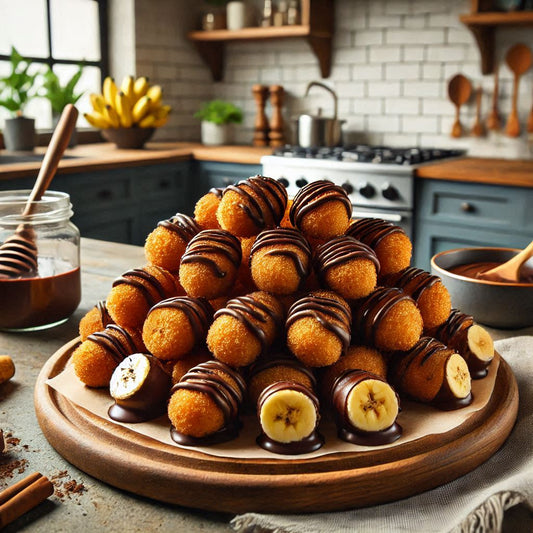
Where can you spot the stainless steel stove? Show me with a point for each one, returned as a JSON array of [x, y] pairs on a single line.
[[378, 179]]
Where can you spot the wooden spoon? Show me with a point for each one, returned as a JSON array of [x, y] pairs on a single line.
[[493, 120], [478, 130], [510, 270], [18, 254], [459, 91], [518, 60], [530, 120]]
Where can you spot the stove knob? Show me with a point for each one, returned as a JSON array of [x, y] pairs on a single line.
[[389, 192], [367, 190], [301, 182], [284, 181], [348, 187]]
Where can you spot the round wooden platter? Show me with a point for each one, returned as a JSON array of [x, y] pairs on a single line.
[[141, 465]]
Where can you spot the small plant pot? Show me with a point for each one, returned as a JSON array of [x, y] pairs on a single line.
[[216, 134], [19, 134]]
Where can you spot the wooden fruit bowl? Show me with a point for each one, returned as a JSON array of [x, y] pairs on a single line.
[[128, 460]]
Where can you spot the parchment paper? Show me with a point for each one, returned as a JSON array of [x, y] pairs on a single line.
[[417, 420]]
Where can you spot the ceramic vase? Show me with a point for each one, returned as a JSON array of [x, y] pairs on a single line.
[[19, 134], [216, 134]]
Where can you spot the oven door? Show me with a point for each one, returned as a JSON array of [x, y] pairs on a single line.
[[402, 218]]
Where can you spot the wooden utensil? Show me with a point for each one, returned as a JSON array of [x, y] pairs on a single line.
[[530, 120], [459, 91], [493, 120], [478, 130], [510, 270], [518, 60], [18, 254]]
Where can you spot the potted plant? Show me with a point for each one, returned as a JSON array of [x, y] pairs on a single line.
[[16, 90], [60, 95], [218, 118]]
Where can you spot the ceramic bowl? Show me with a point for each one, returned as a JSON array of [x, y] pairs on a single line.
[[128, 138], [495, 304]]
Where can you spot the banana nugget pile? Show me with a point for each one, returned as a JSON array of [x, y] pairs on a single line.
[[289, 310]]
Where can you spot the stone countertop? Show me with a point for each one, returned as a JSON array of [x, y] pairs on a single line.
[[101, 156], [99, 507]]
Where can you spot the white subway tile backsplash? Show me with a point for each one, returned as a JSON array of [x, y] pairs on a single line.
[[391, 63]]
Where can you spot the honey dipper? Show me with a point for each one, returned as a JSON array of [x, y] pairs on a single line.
[[18, 254]]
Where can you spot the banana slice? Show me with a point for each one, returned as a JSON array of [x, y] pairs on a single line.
[[480, 343], [129, 376], [372, 405], [288, 415], [457, 376]]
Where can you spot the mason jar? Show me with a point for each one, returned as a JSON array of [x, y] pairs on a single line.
[[40, 282]]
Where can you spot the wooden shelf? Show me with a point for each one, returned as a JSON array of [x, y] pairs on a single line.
[[316, 28], [483, 26]]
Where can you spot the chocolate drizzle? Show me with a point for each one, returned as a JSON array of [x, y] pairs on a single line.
[[456, 322], [184, 226], [369, 312], [372, 230], [253, 313], [217, 191], [283, 242], [339, 251], [141, 279], [414, 281], [214, 242], [340, 392], [330, 313], [115, 340], [18, 257], [269, 191], [309, 443], [205, 378], [197, 310], [316, 194], [105, 317]]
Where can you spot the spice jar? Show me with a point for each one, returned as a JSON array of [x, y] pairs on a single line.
[[47, 295]]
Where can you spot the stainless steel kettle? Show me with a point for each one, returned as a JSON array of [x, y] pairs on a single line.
[[317, 130]]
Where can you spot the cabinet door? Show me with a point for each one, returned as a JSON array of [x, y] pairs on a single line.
[[211, 174]]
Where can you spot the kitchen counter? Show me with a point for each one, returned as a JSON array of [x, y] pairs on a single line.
[[103, 156], [89, 505]]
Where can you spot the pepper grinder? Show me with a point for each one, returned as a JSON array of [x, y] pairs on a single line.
[[260, 93], [276, 122]]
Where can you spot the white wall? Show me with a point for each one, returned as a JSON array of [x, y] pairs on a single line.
[[392, 60]]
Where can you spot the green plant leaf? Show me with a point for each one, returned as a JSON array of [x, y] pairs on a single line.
[[219, 112]]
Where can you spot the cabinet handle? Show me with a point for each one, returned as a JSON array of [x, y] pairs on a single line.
[[467, 207], [104, 194]]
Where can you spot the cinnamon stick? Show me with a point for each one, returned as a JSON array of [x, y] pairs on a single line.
[[23, 496]]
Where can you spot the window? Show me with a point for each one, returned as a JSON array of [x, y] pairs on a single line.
[[61, 34]]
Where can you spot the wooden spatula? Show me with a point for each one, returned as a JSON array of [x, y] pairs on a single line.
[[459, 91], [510, 270]]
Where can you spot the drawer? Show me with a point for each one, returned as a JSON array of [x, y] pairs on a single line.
[[161, 181], [480, 206]]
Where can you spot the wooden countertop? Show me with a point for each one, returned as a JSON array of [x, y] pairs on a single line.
[[511, 172], [102, 156]]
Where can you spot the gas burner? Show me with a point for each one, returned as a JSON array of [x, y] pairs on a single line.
[[361, 153]]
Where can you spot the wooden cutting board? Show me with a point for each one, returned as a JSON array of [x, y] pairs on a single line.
[[144, 466]]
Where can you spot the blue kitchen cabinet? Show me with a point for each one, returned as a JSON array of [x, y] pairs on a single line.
[[123, 204], [450, 214], [209, 174]]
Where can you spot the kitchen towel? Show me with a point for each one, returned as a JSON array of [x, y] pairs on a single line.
[[475, 502]]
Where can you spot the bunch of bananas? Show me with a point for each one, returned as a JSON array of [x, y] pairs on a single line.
[[135, 103]]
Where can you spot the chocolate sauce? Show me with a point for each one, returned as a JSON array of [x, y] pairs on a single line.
[[143, 281], [340, 391], [283, 242], [414, 281], [308, 444], [473, 270], [197, 310], [214, 242], [372, 230], [271, 193], [314, 195], [217, 191], [339, 251], [225, 434], [105, 317], [184, 226], [149, 401], [369, 312], [18, 257], [252, 313], [37, 302], [330, 313], [116, 341]]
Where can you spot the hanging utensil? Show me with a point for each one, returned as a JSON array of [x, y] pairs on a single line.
[[518, 60], [478, 130], [459, 91], [493, 120]]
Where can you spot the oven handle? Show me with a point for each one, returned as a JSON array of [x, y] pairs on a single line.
[[391, 217]]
